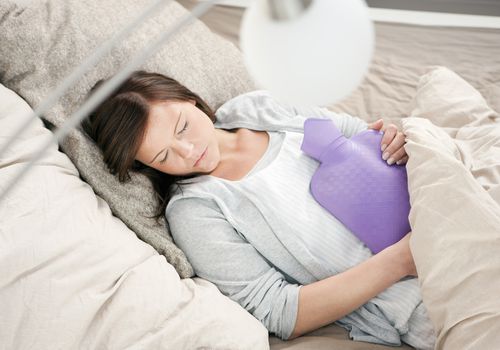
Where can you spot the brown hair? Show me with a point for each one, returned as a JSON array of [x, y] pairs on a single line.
[[118, 126]]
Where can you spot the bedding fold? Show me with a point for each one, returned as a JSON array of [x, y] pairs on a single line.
[[455, 219]]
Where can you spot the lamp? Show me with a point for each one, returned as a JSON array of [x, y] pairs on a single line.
[[307, 52]]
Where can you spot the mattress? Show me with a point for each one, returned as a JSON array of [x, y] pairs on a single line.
[[403, 53]]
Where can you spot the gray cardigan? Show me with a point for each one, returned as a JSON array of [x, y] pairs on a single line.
[[261, 238]]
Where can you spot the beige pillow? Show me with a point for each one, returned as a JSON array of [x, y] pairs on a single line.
[[43, 41], [454, 185]]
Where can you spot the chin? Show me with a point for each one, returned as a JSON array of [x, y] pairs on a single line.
[[212, 164], [212, 167]]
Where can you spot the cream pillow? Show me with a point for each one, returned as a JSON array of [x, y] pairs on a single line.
[[73, 276], [43, 41]]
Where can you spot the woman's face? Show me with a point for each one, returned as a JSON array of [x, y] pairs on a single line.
[[177, 134]]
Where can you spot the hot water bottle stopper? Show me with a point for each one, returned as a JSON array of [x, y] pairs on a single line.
[[356, 185]]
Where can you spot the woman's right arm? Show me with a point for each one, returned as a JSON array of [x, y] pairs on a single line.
[[325, 301], [220, 255]]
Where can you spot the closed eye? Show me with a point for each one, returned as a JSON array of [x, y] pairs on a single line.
[[184, 128], [164, 159], [180, 132]]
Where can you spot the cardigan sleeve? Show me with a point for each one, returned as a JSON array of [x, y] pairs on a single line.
[[348, 125], [259, 108], [219, 254]]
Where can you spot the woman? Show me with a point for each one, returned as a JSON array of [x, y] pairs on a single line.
[[235, 192]]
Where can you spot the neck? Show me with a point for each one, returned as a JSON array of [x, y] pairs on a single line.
[[228, 144]]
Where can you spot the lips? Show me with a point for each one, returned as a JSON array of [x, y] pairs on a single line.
[[201, 157]]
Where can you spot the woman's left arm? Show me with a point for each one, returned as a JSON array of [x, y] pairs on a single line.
[[392, 143], [260, 107]]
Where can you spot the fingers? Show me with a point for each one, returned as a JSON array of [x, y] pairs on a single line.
[[392, 144], [403, 160], [390, 132], [395, 144], [394, 152], [376, 125], [396, 156]]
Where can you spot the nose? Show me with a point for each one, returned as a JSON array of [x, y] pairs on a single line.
[[183, 148]]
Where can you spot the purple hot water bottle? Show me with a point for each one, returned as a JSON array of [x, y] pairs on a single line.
[[356, 185]]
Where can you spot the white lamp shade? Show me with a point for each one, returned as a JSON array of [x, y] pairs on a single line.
[[315, 59]]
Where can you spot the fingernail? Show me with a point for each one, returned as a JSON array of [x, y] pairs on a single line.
[[383, 147], [390, 161], [399, 162], [385, 156]]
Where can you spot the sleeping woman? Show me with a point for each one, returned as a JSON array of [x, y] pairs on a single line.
[[234, 186]]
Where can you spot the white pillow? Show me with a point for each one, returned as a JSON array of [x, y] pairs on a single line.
[[73, 276]]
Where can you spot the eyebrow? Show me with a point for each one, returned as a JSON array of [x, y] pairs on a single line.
[[177, 123]]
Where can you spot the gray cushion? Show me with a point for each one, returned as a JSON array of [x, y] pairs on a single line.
[[43, 41]]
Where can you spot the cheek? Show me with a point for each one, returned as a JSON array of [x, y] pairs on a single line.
[[206, 129]]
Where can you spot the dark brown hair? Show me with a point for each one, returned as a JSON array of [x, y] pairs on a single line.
[[118, 126]]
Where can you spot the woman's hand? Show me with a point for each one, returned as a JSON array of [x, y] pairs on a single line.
[[392, 142]]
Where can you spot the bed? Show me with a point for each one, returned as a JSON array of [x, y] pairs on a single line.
[[81, 269]]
